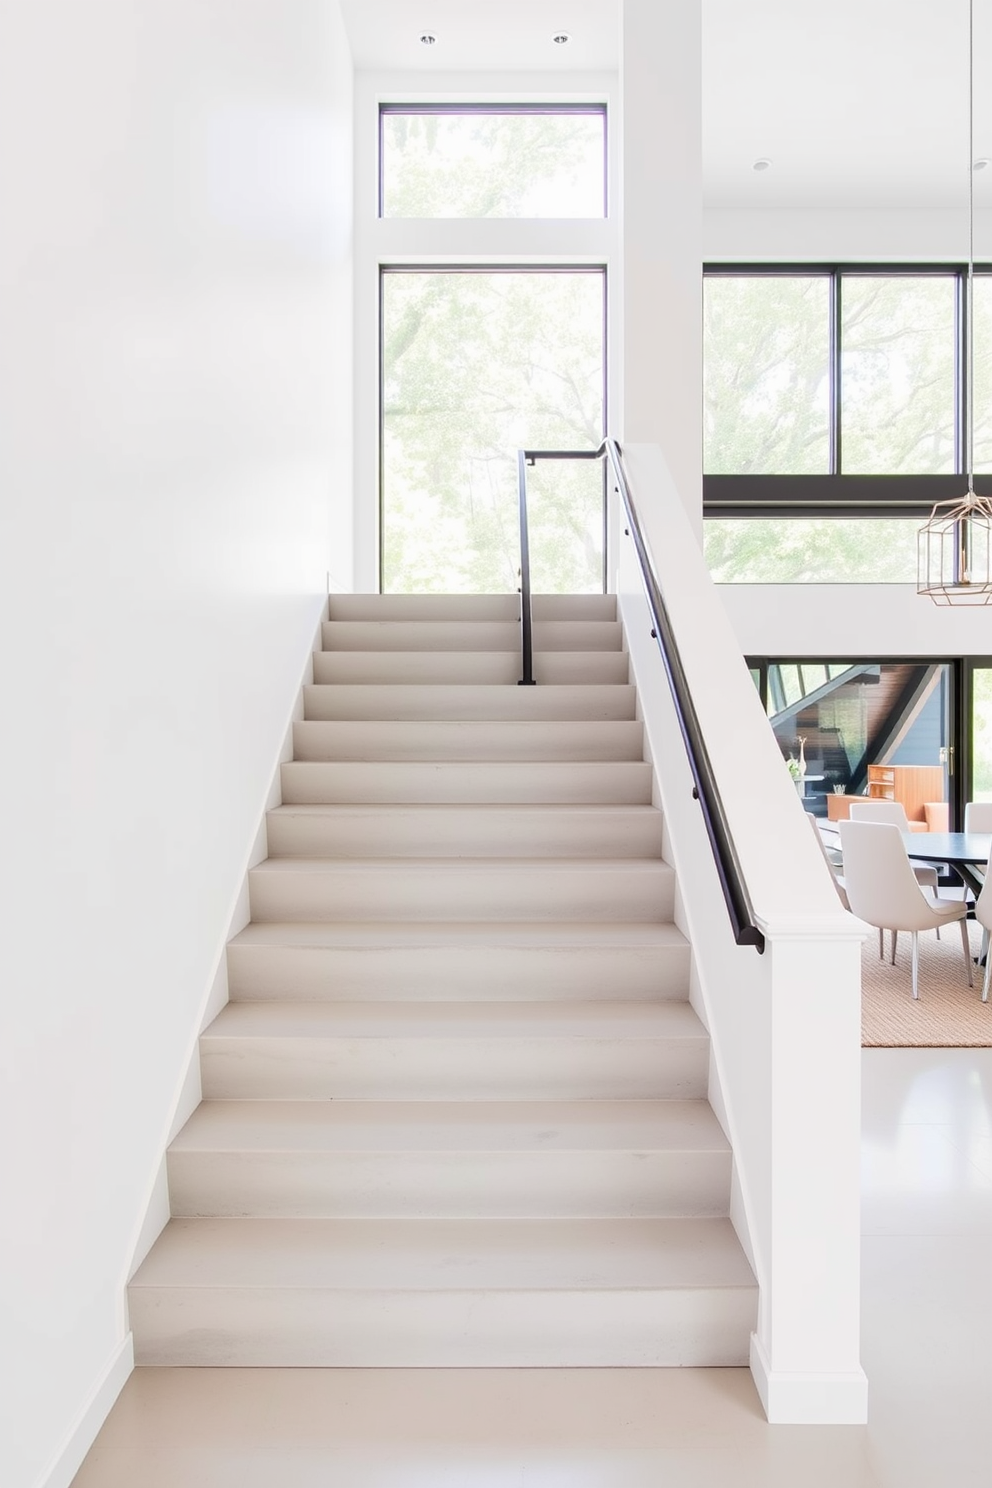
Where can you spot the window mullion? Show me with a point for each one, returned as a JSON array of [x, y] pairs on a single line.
[[964, 310], [835, 380]]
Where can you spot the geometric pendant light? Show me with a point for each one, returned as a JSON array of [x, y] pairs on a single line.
[[954, 548]]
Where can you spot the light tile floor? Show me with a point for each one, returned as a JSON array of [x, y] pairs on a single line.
[[927, 1349]]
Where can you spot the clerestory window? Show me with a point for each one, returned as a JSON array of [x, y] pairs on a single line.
[[488, 160]]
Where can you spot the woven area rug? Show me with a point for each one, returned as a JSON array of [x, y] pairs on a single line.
[[948, 1014]]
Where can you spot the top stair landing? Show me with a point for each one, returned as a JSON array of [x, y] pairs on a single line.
[[469, 639], [475, 607]]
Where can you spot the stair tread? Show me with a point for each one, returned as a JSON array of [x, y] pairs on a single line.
[[449, 808], [347, 699], [551, 668], [427, 1255], [461, 635], [512, 866], [451, 1020], [475, 934], [439, 742], [467, 781], [451, 1126]]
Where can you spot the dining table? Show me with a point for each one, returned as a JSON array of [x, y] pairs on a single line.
[[966, 852]]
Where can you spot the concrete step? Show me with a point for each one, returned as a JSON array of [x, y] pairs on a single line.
[[443, 1293], [521, 782], [458, 962], [472, 607], [485, 668], [324, 1159], [465, 831], [614, 739], [437, 702], [454, 1051], [603, 889], [480, 635]]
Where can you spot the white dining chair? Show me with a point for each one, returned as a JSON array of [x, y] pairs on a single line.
[[883, 891], [835, 874], [978, 816], [895, 813]]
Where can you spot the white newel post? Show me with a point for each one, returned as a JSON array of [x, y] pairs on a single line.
[[805, 1354]]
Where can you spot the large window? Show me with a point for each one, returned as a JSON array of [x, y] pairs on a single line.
[[487, 344], [476, 364], [836, 415], [766, 360], [897, 374]]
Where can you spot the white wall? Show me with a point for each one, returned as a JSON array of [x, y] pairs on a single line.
[[660, 400], [843, 236], [174, 464], [870, 620]]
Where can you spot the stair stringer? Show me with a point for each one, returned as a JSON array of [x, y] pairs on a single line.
[[702, 926], [156, 1214]]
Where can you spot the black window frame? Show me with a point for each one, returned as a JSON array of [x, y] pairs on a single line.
[[836, 495], [507, 108]]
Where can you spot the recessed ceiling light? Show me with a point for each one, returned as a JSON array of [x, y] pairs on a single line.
[[761, 165], [561, 38], [982, 163], [428, 39]]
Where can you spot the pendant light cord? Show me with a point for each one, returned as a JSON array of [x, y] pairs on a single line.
[[970, 320]]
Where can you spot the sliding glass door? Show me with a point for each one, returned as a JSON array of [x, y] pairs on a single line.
[[978, 720], [855, 728]]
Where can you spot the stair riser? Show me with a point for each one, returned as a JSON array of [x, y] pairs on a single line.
[[448, 832], [476, 891], [440, 742], [451, 974], [315, 1328], [467, 702], [551, 668], [275, 1068], [471, 607], [426, 1184], [486, 635], [617, 783]]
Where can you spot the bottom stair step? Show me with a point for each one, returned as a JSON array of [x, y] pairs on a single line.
[[444, 1293]]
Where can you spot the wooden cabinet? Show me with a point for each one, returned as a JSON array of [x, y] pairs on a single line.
[[913, 785]]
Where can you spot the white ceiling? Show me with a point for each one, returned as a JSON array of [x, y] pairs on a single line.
[[855, 102], [484, 35]]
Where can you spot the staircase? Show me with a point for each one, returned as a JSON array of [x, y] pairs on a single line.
[[455, 1112]]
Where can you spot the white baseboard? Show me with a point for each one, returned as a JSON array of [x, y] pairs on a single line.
[[83, 1432], [809, 1399]]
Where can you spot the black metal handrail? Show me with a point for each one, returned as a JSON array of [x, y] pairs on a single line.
[[705, 788]]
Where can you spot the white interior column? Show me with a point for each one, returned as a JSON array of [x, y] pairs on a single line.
[[660, 398]]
